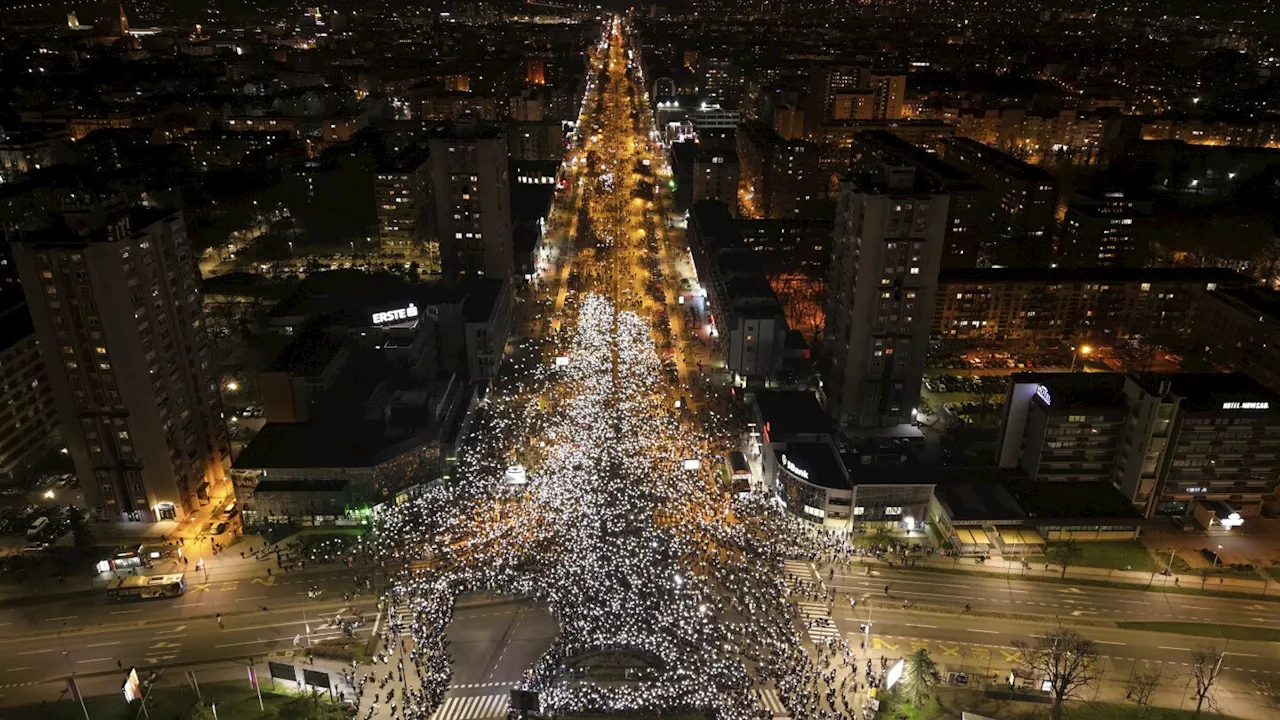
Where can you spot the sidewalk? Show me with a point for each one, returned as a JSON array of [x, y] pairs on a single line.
[[1015, 569]]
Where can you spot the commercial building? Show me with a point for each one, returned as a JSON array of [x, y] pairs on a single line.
[[115, 296], [1100, 305], [28, 417], [327, 471], [1022, 200], [887, 247], [739, 305], [402, 193], [1171, 443], [471, 187], [801, 465], [1105, 231], [1063, 426], [777, 176]]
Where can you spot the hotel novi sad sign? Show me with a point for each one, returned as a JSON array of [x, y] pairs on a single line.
[[404, 313], [1246, 406]]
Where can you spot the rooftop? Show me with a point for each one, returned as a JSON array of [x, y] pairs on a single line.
[[977, 500], [479, 298], [997, 159], [788, 413], [1262, 300], [1206, 392], [1067, 500], [1078, 390], [1219, 276], [307, 355]]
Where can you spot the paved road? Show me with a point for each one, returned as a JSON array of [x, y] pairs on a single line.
[[1008, 594], [491, 647], [202, 599], [93, 650]]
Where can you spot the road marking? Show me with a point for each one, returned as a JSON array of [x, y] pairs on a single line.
[[125, 612], [259, 597], [17, 669], [1228, 652], [116, 642], [1108, 642], [94, 660], [931, 627], [64, 617], [1193, 607], [989, 632], [34, 652], [1162, 647], [1135, 602]]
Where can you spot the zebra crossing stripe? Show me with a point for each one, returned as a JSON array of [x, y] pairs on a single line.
[[769, 698], [472, 707]]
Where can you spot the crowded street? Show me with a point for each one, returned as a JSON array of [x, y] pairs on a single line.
[[590, 486]]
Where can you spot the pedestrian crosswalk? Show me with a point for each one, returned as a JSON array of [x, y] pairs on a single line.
[[817, 619], [474, 707], [768, 697], [797, 569]]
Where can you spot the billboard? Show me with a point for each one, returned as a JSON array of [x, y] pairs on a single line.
[[281, 671]]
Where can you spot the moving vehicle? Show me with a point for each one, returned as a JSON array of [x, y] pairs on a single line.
[[147, 587]]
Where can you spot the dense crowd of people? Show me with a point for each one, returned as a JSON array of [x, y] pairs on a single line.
[[622, 529]]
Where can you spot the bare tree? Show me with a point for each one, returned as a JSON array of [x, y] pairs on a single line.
[[1065, 553], [1206, 668], [1064, 658], [1142, 685]]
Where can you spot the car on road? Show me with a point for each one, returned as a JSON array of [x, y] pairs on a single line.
[[221, 528], [1210, 555]]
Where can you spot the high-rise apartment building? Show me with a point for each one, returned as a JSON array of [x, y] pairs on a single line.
[[1021, 202], [402, 193], [888, 91], [886, 251], [715, 177], [28, 420], [471, 186], [115, 297], [848, 92], [777, 176], [1104, 231], [964, 242]]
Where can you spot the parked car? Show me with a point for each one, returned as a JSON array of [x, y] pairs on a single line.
[[37, 527]]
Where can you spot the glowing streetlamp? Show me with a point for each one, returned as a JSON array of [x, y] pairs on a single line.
[[1084, 350]]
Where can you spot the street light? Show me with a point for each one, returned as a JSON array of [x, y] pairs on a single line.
[[1084, 350]]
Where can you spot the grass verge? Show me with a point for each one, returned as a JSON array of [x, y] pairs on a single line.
[[1154, 587], [235, 701], [1209, 630], [951, 702]]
